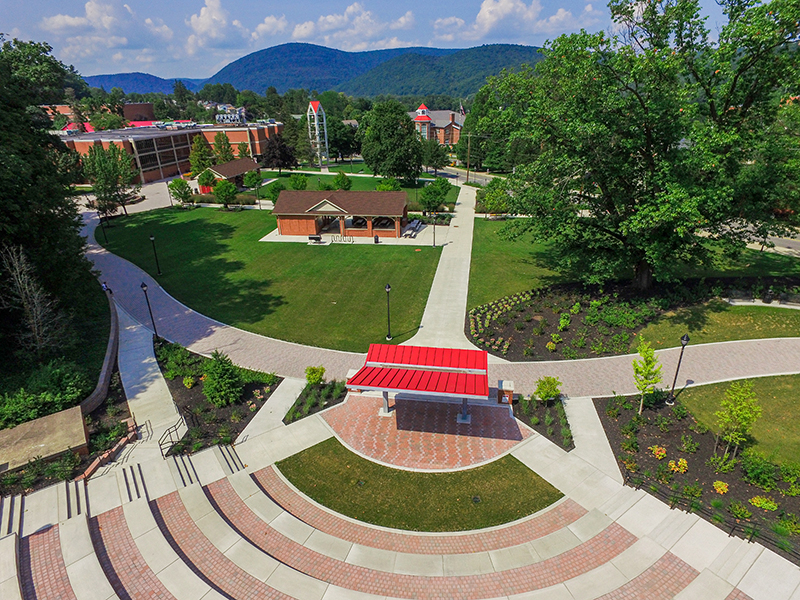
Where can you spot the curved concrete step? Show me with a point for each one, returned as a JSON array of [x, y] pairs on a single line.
[[42, 572], [10, 587]]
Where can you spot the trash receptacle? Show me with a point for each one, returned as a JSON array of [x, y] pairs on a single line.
[[376, 239]]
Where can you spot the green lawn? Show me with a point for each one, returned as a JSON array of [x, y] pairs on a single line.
[[718, 321], [502, 267], [364, 490], [329, 296], [777, 431]]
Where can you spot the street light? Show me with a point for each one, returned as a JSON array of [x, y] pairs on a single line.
[[153, 241], [102, 227], [434, 229], [149, 309], [388, 289], [671, 397]]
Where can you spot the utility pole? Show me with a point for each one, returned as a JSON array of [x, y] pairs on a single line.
[[469, 145]]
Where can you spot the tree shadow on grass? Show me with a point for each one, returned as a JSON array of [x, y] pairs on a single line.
[[693, 318]]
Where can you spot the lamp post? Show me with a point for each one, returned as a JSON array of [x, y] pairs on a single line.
[[388, 289], [102, 227], [434, 229], [149, 309], [153, 241], [684, 342]]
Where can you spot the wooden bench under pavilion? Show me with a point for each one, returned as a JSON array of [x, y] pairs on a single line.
[[439, 373]]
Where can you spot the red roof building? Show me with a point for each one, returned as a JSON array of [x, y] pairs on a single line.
[[441, 125]]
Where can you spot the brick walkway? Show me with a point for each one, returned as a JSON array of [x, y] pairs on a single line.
[[424, 435], [668, 576], [43, 575], [121, 560], [533, 528]]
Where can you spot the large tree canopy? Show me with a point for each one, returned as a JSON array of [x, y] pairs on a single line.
[[389, 142], [653, 147]]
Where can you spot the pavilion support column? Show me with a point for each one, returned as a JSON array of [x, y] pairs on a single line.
[[384, 412], [464, 417]]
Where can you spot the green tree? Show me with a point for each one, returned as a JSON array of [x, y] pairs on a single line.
[[225, 192], [180, 190], [341, 139], [298, 181], [200, 157], [388, 184], [646, 372], [494, 196], [112, 174], [206, 179], [253, 180], [650, 144], [342, 182], [274, 190], [434, 155], [389, 142], [278, 154], [242, 150], [739, 411], [181, 93], [223, 383], [433, 195], [223, 152]]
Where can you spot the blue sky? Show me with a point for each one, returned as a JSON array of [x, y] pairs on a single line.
[[195, 38]]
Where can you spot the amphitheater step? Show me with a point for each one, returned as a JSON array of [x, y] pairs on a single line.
[[131, 483], [10, 588], [85, 574], [229, 459], [183, 471], [72, 499], [11, 509]]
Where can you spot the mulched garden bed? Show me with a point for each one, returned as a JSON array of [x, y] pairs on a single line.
[[687, 445], [105, 426], [316, 398], [547, 419], [571, 321], [208, 424]]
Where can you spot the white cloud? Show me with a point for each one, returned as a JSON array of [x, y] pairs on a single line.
[[303, 31], [496, 13], [101, 16], [405, 22], [87, 46], [159, 28], [58, 23], [209, 25], [445, 29], [555, 23], [271, 25]]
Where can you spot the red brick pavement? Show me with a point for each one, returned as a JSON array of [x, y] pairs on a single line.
[[738, 594], [42, 571], [425, 435], [558, 517], [585, 557], [668, 576], [121, 560], [202, 557]]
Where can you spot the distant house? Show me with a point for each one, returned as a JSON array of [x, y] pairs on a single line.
[[231, 171], [441, 125], [357, 214]]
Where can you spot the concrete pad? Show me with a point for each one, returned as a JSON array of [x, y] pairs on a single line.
[[639, 557], [155, 550], [733, 563], [263, 507], [537, 452], [181, 582], [328, 545], [264, 450], [555, 543], [591, 442], [771, 578], [372, 558], [568, 473], [701, 545], [424, 565], [103, 494], [706, 586], [673, 528], [599, 581], [334, 592], [10, 590], [88, 580], [8, 557], [595, 490], [158, 479], [620, 502], [40, 510], [251, 560], [217, 531], [206, 465], [477, 563], [76, 541], [296, 584], [554, 592], [589, 525], [195, 502], [243, 484], [139, 517], [46, 437], [292, 527], [513, 557], [644, 516]]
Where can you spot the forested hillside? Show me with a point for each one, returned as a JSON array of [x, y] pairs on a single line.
[[140, 83]]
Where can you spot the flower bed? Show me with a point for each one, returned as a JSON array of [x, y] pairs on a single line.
[[315, 398], [547, 419], [666, 452]]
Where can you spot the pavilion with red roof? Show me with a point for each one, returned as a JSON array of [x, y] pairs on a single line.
[[443, 373]]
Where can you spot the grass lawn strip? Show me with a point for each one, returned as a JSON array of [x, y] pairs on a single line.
[[777, 432], [358, 488], [329, 296]]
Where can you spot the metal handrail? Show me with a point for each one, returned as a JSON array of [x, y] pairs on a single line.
[[166, 438]]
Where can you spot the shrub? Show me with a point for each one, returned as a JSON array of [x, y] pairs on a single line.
[[298, 181], [342, 181], [721, 464], [758, 470], [612, 409], [764, 502], [663, 423], [525, 405], [790, 472], [631, 445], [658, 451], [720, 487], [547, 388], [692, 490], [681, 466], [222, 385], [557, 339], [688, 445], [576, 308], [315, 375], [564, 321], [551, 346], [519, 325], [188, 382], [739, 510], [679, 411], [630, 428], [177, 361]]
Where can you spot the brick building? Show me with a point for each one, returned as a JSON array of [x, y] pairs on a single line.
[[161, 153], [441, 125]]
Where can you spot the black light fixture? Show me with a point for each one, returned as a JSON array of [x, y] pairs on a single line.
[[153, 241], [102, 227], [149, 308], [684, 342], [388, 289]]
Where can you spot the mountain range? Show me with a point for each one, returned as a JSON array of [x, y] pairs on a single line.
[[422, 71]]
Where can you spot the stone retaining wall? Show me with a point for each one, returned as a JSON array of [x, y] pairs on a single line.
[[96, 398]]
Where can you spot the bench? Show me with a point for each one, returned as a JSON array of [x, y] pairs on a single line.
[[315, 238]]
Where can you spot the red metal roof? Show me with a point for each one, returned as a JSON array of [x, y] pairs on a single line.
[[315, 105], [423, 370], [422, 118], [422, 107]]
